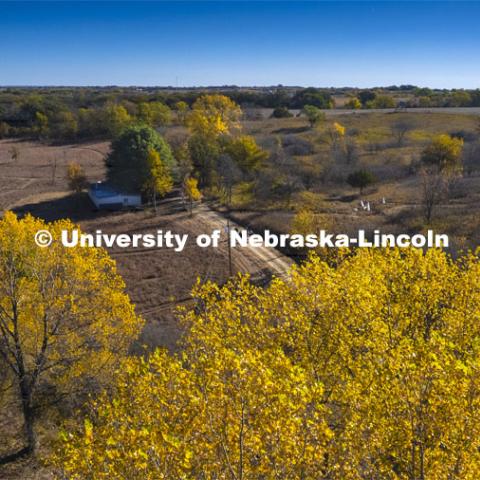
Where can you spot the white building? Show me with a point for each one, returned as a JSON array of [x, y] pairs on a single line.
[[106, 197]]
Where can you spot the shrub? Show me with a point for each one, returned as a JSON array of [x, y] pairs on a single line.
[[361, 179], [281, 112], [294, 145]]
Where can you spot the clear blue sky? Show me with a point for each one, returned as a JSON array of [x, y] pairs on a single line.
[[363, 44]]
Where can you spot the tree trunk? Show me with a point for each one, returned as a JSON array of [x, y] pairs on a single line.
[[28, 413], [30, 435]]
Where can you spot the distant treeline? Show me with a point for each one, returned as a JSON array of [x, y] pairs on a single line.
[[68, 113]]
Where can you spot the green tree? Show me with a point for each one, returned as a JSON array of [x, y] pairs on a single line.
[[204, 153], [459, 98], [312, 96], [366, 96], [127, 162], [382, 101], [361, 179], [281, 112], [41, 126], [63, 126], [154, 114], [314, 115]]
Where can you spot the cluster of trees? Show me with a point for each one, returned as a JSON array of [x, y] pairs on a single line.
[[364, 371], [217, 151], [214, 157], [78, 113], [370, 99], [418, 97], [41, 118], [71, 114], [141, 161], [425, 97]]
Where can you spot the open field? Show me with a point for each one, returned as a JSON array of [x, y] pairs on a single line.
[[395, 199], [39, 171], [335, 112]]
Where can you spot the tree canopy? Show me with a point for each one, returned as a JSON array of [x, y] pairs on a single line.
[[443, 153], [213, 115], [314, 115], [65, 320], [367, 370], [127, 163], [361, 179]]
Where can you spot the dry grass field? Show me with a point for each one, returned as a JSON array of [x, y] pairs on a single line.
[[39, 171], [323, 177]]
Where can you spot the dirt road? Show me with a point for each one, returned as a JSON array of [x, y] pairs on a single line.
[[253, 260], [247, 259]]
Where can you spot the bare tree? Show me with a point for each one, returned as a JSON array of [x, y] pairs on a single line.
[[401, 128], [434, 190], [229, 174]]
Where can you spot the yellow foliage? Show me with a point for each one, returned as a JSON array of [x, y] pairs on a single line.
[[306, 222], [159, 180], [77, 180], [213, 115], [246, 154], [191, 189], [339, 128], [65, 320], [444, 152], [367, 370], [353, 103]]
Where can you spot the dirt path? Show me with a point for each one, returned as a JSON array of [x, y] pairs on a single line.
[[248, 259]]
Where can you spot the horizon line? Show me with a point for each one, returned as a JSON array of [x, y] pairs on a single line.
[[226, 86]]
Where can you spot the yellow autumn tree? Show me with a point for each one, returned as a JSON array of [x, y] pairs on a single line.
[[306, 222], [76, 177], [246, 153], [116, 118], [191, 191], [444, 153], [369, 370], [159, 180], [213, 115], [65, 320]]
